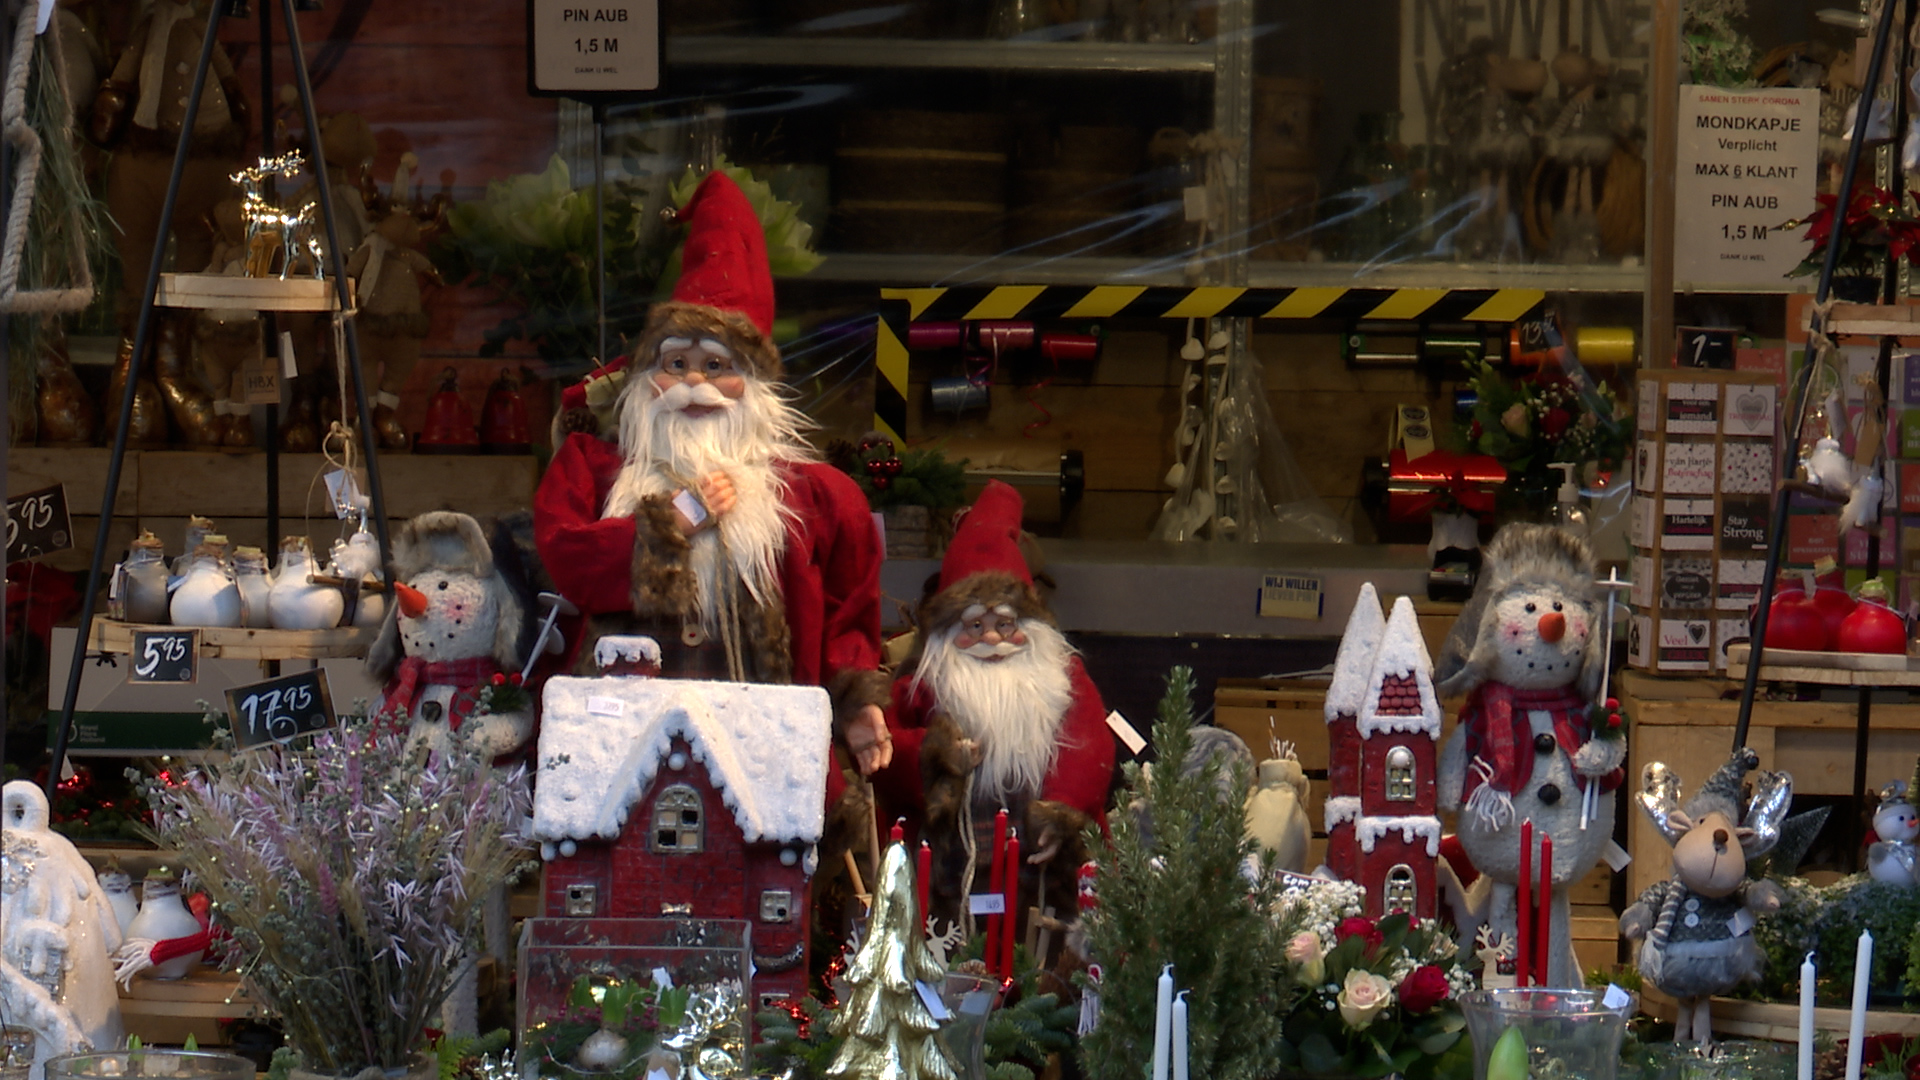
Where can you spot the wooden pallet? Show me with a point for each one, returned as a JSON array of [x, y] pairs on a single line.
[[241, 643]]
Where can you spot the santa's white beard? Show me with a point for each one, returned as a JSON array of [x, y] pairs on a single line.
[[667, 449], [1012, 707]]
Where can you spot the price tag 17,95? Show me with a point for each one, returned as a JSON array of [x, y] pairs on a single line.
[[165, 656], [280, 710]]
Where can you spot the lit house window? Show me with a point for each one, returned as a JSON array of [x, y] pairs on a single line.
[[1400, 774], [1401, 891], [676, 820]]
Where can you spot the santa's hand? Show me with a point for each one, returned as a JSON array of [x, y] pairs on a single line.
[[1599, 757], [1050, 844], [869, 740], [716, 490]]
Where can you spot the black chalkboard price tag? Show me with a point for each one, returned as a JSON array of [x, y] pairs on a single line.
[[165, 656], [38, 523], [280, 710]]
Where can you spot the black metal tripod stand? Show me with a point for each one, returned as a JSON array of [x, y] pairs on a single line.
[[143, 332]]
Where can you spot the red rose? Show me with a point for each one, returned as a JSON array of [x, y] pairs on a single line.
[[499, 679], [1423, 989], [1555, 421], [1364, 929]]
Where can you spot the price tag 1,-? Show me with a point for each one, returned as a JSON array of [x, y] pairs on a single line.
[[38, 523], [165, 656], [280, 710]]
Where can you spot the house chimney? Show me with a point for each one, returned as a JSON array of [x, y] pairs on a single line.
[[627, 654]]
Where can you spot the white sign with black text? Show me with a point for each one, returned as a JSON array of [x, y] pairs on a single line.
[[587, 47], [1747, 163]]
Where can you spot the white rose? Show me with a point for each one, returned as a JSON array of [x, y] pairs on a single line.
[[1363, 998]]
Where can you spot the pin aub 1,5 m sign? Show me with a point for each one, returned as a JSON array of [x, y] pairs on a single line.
[[38, 524], [164, 656], [593, 50], [280, 710]]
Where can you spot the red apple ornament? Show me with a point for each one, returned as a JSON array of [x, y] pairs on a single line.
[[1872, 626], [1835, 605]]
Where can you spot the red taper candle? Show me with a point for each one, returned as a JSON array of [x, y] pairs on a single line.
[[1543, 922], [1523, 904], [996, 886], [922, 873], [899, 830], [1012, 920]]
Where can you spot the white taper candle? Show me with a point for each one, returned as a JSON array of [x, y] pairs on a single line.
[[1163, 1023], [1806, 1018], [1857, 1019]]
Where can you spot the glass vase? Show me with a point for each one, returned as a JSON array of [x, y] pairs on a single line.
[[1570, 1034], [176, 1064]]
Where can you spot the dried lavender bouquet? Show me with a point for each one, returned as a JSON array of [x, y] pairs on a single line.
[[353, 872]]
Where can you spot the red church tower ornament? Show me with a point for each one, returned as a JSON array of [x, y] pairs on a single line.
[[668, 797], [1382, 832]]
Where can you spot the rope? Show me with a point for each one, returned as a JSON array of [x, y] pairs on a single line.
[[27, 144]]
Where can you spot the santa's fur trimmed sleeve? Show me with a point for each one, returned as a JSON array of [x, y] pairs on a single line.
[[851, 690], [663, 579]]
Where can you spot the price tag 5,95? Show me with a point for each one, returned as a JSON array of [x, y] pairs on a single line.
[[280, 710], [164, 656], [38, 523]]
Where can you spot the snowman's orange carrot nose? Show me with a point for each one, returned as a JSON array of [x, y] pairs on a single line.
[[1553, 625], [413, 602]]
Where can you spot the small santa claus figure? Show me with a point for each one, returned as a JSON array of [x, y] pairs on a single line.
[[701, 518], [995, 711]]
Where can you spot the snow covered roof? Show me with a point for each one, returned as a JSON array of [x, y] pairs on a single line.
[[1355, 660], [602, 741], [631, 648], [1402, 655]]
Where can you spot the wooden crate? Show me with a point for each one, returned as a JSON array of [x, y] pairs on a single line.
[[1596, 933], [241, 643], [164, 1013], [1687, 723]]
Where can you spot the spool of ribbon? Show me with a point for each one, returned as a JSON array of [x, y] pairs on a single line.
[[1416, 488]]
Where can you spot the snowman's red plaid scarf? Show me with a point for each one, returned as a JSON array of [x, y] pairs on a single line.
[[402, 692], [1500, 743]]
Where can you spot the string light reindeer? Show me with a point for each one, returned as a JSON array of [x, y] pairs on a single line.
[[269, 229]]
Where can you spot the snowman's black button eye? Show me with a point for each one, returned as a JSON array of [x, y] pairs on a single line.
[[443, 585], [1556, 605], [1531, 608]]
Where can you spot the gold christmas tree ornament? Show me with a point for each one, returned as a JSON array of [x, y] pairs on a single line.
[[889, 1029]]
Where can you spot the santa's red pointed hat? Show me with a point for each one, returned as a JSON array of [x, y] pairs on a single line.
[[984, 564], [725, 289]]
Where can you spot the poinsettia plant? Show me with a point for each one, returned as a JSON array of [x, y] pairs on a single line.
[[1365, 997], [1877, 225]]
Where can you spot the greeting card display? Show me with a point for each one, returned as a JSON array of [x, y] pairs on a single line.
[[1705, 466]]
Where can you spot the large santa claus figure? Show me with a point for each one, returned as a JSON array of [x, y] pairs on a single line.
[[702, 518], [995, 711]]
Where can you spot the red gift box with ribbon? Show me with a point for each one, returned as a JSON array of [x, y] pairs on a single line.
[[1416, 488]]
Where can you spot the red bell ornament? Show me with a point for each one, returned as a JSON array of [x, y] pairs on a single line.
[[449, 427], [503, 419]]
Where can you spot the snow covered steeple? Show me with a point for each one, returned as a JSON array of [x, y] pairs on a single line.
[[1354, 663], [1399, 689], [1345, 696]]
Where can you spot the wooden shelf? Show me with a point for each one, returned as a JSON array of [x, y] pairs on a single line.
[[1828, 669], [853, 52], [247, 293], [240, 643], [204, 993], [1780, 1021]]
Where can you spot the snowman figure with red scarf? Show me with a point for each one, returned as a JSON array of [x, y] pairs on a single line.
[[449, 652], [1527, 653]]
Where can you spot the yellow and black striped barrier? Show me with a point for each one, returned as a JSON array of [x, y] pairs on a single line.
[[900, 307]]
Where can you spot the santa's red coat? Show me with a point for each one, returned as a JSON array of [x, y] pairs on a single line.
[[1080, 777], [829, 572]]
